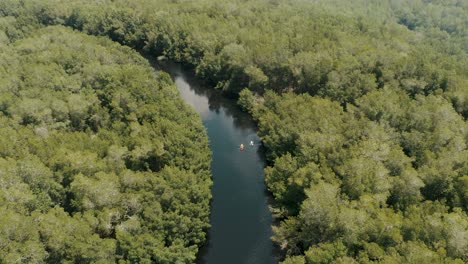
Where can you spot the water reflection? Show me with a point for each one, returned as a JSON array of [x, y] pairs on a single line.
[[199, 103], [216, 100]]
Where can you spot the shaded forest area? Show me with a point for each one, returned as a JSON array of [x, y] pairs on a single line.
[[361, 106]]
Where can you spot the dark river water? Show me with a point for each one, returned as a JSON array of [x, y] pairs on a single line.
[[240, 220]]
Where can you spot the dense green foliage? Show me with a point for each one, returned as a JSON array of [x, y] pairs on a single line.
[[361, 105], [383, 181], [335, 49], [100, 160]]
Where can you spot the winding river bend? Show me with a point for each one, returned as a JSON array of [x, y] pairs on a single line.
[[240, 220]]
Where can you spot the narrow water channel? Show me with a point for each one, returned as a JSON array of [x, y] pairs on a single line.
[[240, 220]]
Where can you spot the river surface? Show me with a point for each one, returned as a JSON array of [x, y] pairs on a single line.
[[240, 220]]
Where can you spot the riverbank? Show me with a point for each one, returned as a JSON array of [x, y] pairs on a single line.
[[240, 219]]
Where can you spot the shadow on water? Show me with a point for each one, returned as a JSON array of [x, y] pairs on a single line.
[[216, 99], [240, 220]]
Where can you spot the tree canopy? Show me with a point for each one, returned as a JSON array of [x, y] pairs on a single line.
[[101, 161], [361, 106], [350, 183]]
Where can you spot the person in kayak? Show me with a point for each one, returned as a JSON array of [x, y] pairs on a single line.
[[241, 147]]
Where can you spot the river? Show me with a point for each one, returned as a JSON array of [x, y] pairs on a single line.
[[240, 220]]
